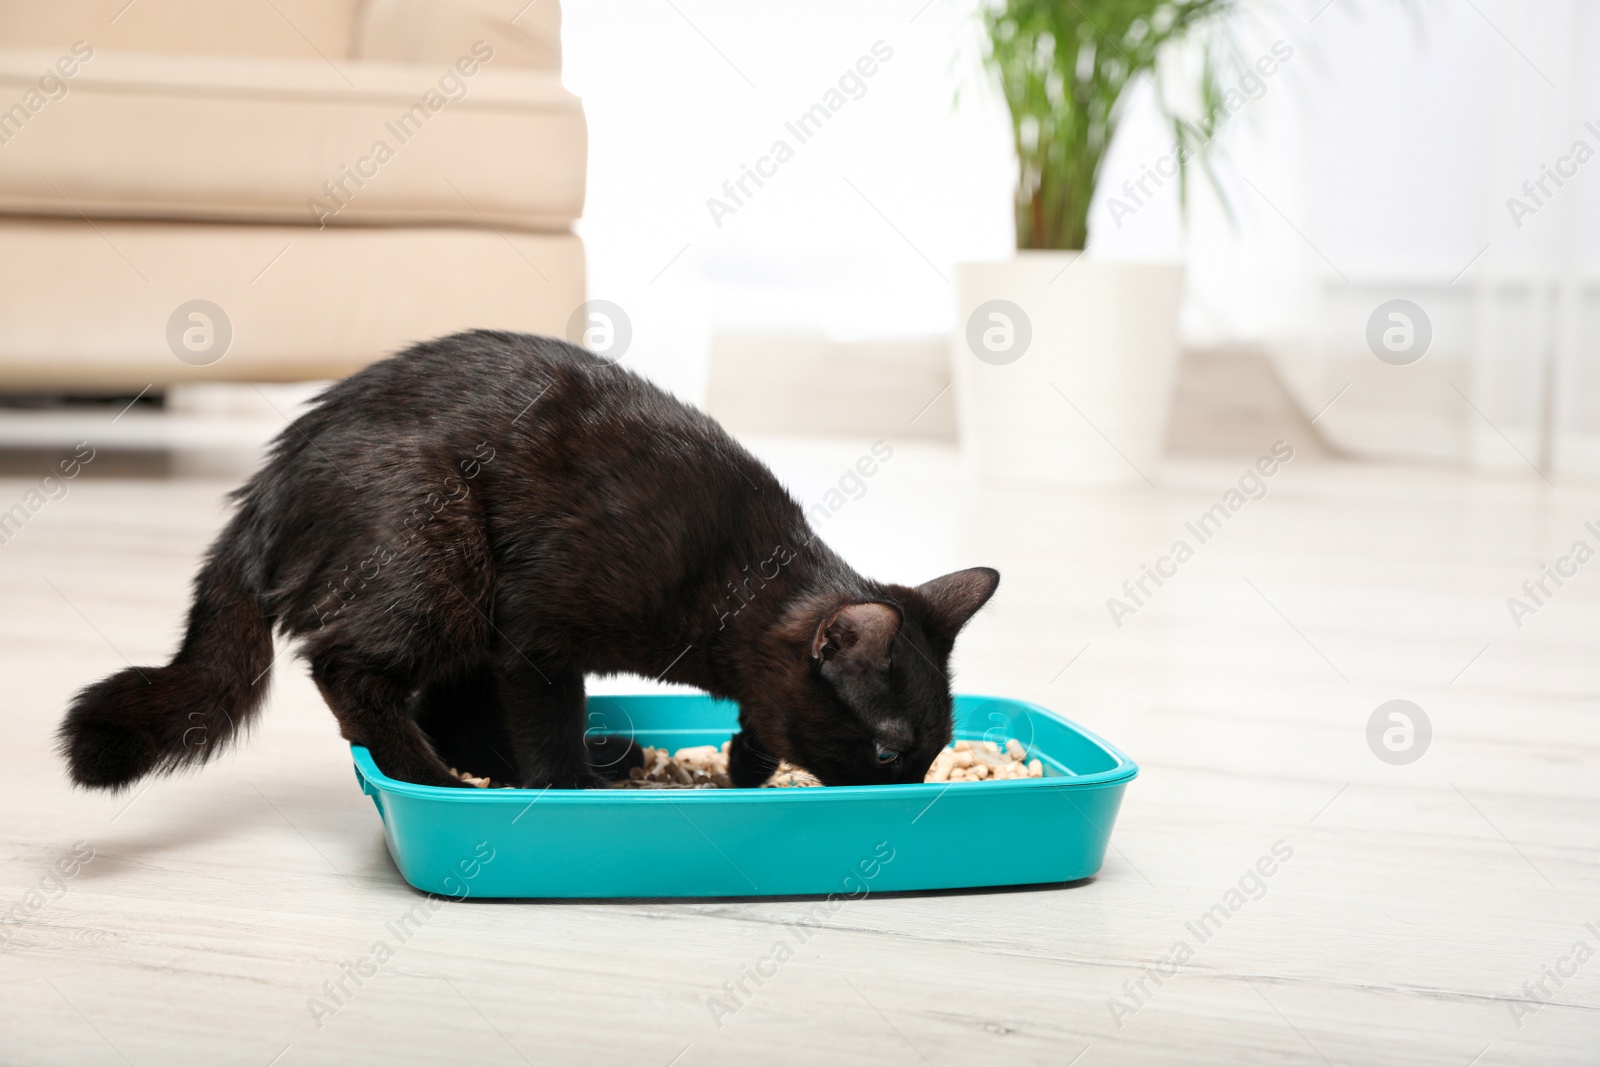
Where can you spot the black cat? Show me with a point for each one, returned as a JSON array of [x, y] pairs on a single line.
[[459, 534]]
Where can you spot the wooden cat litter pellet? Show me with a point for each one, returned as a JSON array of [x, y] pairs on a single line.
[[699, 767], [788, 774], [984, 761], [694, 767], [472, 780], [706, 767]]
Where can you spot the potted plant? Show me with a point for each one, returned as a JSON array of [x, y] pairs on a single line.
[[1064, 365]]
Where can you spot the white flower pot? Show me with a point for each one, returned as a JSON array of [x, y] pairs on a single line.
[[1064, 366]]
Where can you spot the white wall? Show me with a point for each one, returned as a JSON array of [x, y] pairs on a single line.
[[1375, 162], [671, 120]]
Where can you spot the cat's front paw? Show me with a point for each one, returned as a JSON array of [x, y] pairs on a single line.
[[612, 756], [749, 765]]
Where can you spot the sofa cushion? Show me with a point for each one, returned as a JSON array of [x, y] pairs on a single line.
[[285, 29], [469, 141], [404, 31], [299, 303]]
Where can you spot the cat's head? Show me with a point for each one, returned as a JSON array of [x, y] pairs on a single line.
[[869, 687]]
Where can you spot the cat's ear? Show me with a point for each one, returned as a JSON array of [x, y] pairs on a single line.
[[856, 636], [956, 597]]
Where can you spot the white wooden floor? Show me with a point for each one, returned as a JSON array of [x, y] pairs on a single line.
[[1418, 900]]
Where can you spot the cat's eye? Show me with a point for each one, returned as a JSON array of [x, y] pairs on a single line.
[[887, 755]]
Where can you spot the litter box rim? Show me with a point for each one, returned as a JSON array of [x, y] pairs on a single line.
[[1124, 770]]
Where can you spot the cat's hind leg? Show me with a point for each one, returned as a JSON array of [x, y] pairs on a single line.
[[464, 718], [371, 706], [462, 715], [544, 716]]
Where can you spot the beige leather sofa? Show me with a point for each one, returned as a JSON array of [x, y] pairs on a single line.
[[338, 177]]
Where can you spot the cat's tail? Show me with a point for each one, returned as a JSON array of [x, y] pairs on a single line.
[[145, 720]]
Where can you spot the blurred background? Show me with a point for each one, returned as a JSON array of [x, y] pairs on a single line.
[[1347, 356], [206, 153]]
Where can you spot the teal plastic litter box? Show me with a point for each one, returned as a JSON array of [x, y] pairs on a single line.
[[844, 840]]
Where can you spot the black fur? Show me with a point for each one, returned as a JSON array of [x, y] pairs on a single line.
[[459, 534]]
